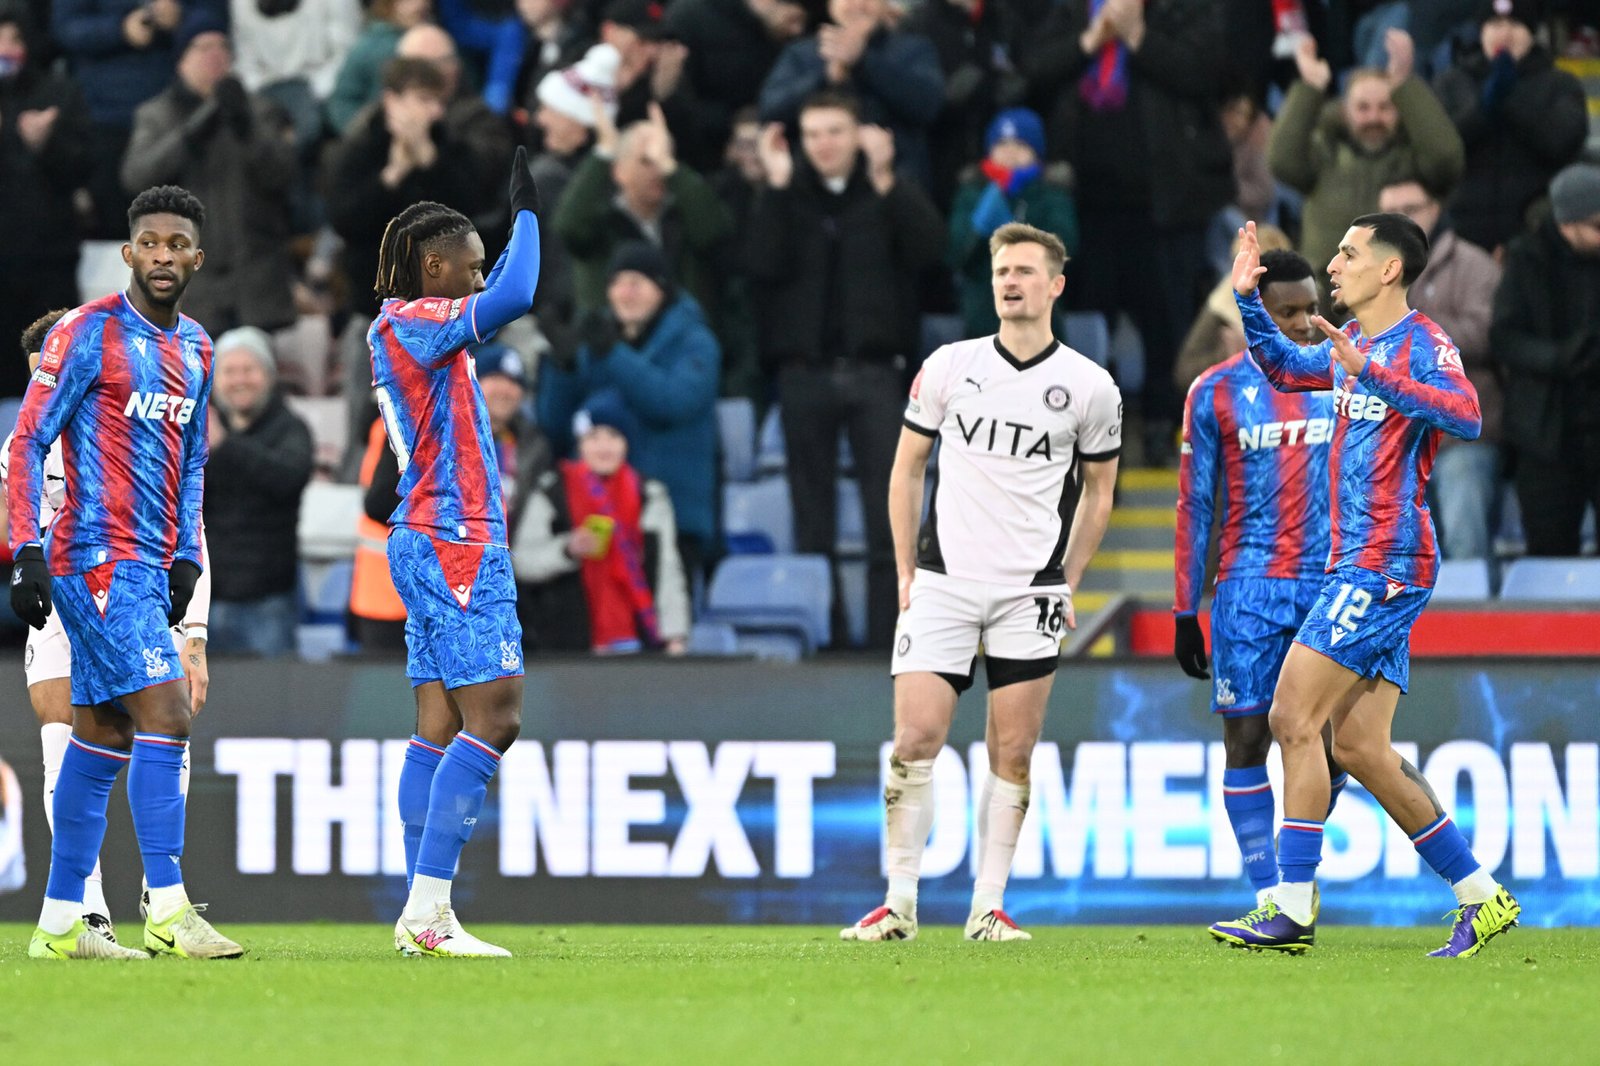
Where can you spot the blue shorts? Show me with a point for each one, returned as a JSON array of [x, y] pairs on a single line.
[[1253, 622], [115, 618], [1363, 620], [461, 609]]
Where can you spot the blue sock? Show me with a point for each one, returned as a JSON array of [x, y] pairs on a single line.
[[1335, 787], [416, 782], [459, 785], [1247, 797], [157, 805], [82, 792], [1441, 846], [1299, 849]]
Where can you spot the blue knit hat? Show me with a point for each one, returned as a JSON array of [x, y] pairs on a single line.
[[199, 20], [1016, 124], [496, 358], [606, 408]]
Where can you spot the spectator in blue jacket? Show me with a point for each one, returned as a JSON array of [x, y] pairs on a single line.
[[121, 52], [652, 345], [895, 77]]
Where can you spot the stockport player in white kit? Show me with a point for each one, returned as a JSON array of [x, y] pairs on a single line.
[[1022, 417]]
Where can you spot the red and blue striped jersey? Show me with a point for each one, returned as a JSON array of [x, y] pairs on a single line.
[[128, 400], [1387, 425], [1267, 451], [436, 420]]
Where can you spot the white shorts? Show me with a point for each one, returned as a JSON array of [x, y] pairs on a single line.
[[951, 618], [48, 655]]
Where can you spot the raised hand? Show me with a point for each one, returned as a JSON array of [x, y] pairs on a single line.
[[1247, 268], [1345, 352], [34, 127], [1314, 71], [877, 144], [524, 193], [659, 149], [1402, 55], [772, 148], [667, 71], [605, 126]]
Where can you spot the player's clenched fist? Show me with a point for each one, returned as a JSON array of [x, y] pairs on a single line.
[[524, 193], [30, 586]]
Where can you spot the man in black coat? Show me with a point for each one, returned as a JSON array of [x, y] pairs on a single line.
[[834, 247], [44, 138], [1131, 97], [1520, 118], [1546, 336], [259, 465]]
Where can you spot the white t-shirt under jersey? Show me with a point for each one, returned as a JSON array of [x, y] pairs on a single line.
[[1012, 434]]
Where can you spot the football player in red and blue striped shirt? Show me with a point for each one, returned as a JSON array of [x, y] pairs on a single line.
[[1265, 454], [123, 381], [1398, 385], [447, 543]]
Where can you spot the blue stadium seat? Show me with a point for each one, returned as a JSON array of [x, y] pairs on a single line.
[[851, 526], [853, 591], [713, 638], [1552, 579], [10, 407], [770, 453], [772, 645], [736, 428], [774, 592], [325, 591], [1462, 580], [756, 517]]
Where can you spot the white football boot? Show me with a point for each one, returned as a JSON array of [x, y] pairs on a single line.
[[994, 925], [442, 937], [882, 924]]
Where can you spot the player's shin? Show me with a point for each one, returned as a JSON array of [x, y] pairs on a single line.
[[157, 804], [82, 792], [1444, 848], [908, 819], [1299, 852], [459, 786], [416, 784], [1001, 809], [1247, 797]]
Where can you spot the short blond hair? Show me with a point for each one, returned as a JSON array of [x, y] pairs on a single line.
[[1055, 252]]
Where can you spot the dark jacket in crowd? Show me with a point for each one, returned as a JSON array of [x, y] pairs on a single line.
[[668, 378], [897, 81], [1163, 154], [360, 205], [231, 152], [694, 225], [1546, 338], [1518, 132], [116, 77], [1046, 202], [730, 54], [835, 275], [254, 480], [1457, 291]]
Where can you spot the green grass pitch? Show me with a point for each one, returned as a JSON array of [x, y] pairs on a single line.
[[311, 995]]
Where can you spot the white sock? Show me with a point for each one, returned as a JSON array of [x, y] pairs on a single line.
[[908, 819], [1264, 894], [1001, 808], [53, 738], [1294, 899], [165, 902], [94, 894], [1477, 887], [426, 895], [183, 773], [59, 915]]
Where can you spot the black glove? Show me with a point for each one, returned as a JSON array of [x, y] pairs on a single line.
[[1189, 646], [524, 193], [597, 331], [233, 103], [30, 586], [180, 585]]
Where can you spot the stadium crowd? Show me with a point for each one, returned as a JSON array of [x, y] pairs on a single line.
[[789, 201]]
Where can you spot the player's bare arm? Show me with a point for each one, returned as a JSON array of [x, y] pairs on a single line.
[[906, 481], [1089, 522]]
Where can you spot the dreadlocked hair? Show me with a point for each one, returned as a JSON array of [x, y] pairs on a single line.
[[419, 229]]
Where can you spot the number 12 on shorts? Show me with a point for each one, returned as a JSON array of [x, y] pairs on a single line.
[[1349, 606], [1051, 618]]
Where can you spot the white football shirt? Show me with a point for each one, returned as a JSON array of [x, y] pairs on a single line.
[[1011, 437], [55, 479]]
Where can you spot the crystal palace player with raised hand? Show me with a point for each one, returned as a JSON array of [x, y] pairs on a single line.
[[123, 382], [1267, 453], [1398, 384], [447, 542], [1022, 419]]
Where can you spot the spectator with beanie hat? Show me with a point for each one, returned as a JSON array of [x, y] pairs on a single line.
[[1520, 117], [1011, 184], [1546, 336], [651, 344], [596, 555]]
